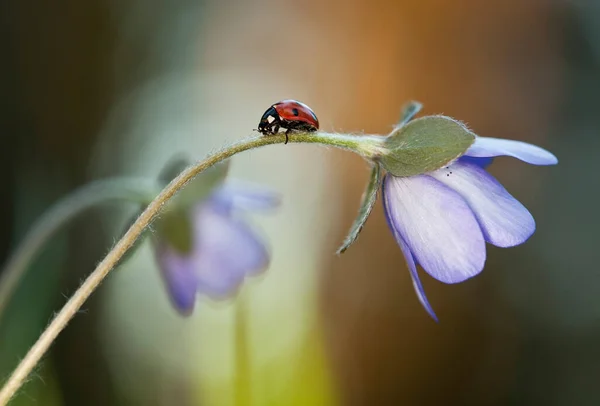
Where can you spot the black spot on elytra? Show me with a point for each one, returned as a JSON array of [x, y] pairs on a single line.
[[295, 112]]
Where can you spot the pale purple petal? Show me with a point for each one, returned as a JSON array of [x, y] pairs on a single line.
[[412, 267], [438, 226], [490, 147], [238, 196], [482, 162], [504, 220], [178, 272], [225, 251]]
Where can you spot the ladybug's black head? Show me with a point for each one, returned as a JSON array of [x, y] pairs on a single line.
[[269, 121]]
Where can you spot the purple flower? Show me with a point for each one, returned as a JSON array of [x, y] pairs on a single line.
[[442, 219], [222, 250]]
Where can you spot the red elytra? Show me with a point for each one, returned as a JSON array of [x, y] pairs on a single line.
[[290, 115]]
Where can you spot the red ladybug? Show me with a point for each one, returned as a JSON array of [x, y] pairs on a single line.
[[289, 115]]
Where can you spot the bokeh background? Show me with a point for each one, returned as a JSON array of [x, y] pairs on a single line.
[[99, 88]]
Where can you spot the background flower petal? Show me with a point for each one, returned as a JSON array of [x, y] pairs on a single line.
[[238, 196], [179, 277], [226, 251], [491, 147], [412, 267], [437, 225], [505, 222], [483, 162]]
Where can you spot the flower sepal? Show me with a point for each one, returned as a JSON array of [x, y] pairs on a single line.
[[368, 202], [424, 145]]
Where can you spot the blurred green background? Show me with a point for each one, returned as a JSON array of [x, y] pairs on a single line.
[[98, 88]]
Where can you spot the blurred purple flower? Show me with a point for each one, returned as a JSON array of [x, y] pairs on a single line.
[[223, 248], [442, 219]]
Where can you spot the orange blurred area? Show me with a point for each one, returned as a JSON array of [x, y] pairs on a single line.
[[112, 88]]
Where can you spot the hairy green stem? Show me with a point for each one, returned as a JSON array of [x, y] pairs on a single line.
[[100, 191], [367, 146]]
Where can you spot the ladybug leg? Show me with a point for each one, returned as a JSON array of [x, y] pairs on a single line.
[[286, 136]]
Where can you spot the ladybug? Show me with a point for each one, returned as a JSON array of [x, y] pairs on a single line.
[[290, 115]]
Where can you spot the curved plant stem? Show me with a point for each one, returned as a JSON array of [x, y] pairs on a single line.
[[100, 191], [363, 145], [243, 368]]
